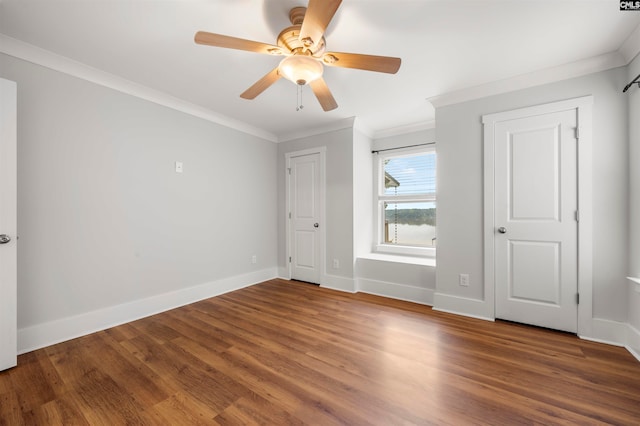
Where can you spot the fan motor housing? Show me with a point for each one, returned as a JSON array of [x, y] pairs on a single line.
[[289, 38], [289, 41]]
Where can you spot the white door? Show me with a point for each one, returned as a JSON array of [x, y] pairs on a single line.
[[536, 228], [8, 227], [305, 205]]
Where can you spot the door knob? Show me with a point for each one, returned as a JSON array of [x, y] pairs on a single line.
[[502, 230], [4, 239], [315, 225]]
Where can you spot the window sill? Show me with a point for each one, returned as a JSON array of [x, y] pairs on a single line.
[[411, 260]]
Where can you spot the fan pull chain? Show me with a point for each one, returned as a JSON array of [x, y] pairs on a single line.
[[299, 105]]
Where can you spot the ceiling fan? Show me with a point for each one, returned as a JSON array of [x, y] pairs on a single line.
[[304, 47]]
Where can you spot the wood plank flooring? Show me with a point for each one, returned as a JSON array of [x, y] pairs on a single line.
[[288, 353]]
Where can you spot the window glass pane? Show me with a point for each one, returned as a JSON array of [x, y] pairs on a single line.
[[408, 175], [410, 224]]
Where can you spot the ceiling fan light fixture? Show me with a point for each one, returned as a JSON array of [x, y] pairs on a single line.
[[304, 46], [300, 69]]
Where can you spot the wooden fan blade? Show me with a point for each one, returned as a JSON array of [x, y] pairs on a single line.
[[261, 85], [316, 19], [220, 40], [322, 92], [362, 62]]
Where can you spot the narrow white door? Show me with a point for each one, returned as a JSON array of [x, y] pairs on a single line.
[[536, 228], [8, 226], [305, 204]]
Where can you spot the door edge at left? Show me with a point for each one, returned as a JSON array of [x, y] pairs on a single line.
[[8, 224]]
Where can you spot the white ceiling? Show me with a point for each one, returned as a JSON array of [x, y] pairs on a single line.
[[445, 45]]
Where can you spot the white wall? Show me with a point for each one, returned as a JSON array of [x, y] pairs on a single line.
[[362, 194], [633, 98], [460, 190], [397, 277], [104, 221], [339, 204]]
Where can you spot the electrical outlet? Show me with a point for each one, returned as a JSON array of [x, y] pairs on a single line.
[[254, 259], [336, 264], [463, 280]]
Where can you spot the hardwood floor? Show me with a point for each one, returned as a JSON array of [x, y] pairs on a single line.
[[283, 353]]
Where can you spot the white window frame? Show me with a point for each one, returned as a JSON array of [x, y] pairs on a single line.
[[380, 198]]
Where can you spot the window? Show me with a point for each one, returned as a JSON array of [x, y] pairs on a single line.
[[406, 201]]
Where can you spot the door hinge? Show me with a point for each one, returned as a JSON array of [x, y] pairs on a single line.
[[577, 132], [577, 215], [289, 169], [289, 215], [577, 298], [289, 259]]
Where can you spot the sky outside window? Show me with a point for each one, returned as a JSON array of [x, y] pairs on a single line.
[[415, 174]]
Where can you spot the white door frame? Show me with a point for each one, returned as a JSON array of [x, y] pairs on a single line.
[[322, 151], [8, 224], [584, 107]]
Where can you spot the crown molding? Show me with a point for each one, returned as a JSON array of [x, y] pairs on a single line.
[[36, 55], [360, 126], [631, 46], [536, 78], [405, 129], [346, 123]]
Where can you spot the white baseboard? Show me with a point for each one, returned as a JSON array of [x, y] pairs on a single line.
[[615, 333], [473, 308], [633, 341], [335, 282], [404, 292], [283, 273], [46, 334], [50, 333], [607, 331]]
